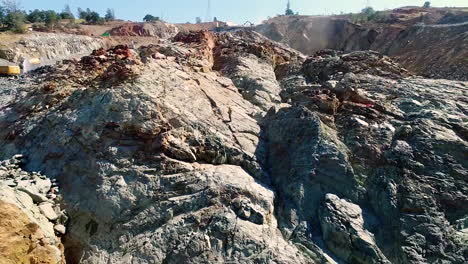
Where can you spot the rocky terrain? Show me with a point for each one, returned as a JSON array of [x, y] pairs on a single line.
[[31, 219], [446, 55], [310, 34], [431, 42], [231, 148], [39, 49], [153, 29]]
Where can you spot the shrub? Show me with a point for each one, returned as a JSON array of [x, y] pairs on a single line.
[[150, 18], [51, 18], [65, 15], [368, 11]]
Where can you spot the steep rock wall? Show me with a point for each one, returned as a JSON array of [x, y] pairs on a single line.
[[425, 41]]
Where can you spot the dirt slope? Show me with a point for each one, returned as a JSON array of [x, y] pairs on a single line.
[[436, 48], [153, 29]]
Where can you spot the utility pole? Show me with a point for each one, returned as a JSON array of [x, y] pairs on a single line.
[[208, 12]]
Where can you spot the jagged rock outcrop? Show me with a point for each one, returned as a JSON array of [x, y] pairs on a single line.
[[325, 65], [343, 230], [165, 155]]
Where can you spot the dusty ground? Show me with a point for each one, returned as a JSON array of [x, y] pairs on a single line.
[[98, 30]]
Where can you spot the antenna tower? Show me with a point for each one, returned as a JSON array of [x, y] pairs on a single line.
[[208, 12]]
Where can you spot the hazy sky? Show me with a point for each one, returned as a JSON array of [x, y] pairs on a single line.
[[238, 11]]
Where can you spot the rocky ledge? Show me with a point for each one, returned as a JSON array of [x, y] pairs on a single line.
[[230, 148]]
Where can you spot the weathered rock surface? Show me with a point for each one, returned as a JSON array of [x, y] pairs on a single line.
[[22, 240], [166, 155], [430, 42], [26, 232], [343, 230], [47, 49]]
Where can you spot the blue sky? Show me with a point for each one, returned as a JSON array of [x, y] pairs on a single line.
[[238, 11]]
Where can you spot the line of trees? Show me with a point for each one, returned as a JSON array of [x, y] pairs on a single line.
[[93, 17], [13, 18]]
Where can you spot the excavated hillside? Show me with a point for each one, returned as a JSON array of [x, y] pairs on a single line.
[[154, 29], [45, 48], [432, 42], [231, 148]]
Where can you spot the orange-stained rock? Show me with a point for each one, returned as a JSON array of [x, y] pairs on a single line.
[[22, 241]]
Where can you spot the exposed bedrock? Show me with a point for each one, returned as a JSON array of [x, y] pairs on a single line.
[[222, 148]]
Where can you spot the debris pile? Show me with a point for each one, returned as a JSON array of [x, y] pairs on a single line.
[[32, 220], [246, 42], [154, 29], [101, 68], [43, 191], [324, 65]]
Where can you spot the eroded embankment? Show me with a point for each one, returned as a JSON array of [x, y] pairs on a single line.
[[39, 49]]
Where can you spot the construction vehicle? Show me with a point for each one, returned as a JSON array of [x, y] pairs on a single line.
[[10, 70]]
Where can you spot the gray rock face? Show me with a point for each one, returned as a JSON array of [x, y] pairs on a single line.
[[255, 80], [163, 158], [344, 232]]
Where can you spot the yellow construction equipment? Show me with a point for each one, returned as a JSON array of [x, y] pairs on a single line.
[[10, 70]]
